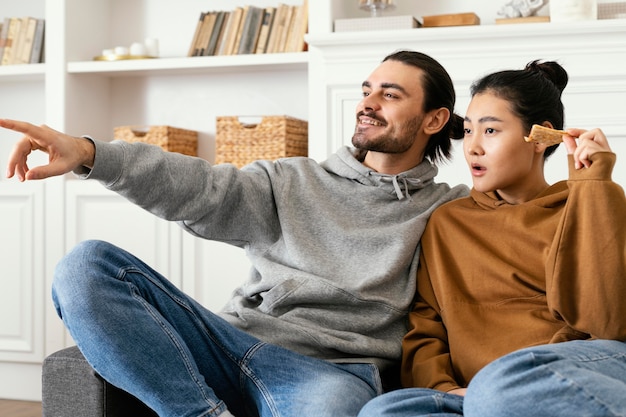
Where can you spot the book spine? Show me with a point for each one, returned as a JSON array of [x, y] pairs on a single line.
[[3, 35], [215, 33], [233, 30], [38, 42], [28, 38], [196, 36], [284, 30], [250, 32], [7, 57], [279, 21], [266, 27]]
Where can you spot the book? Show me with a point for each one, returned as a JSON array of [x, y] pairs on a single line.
[[266, 27], [196, 35], [14, 26], [18, 39], [36, 55], [231, 31], [215, 34], [295, 36], [22, 55], [528, 19], [221, 35], [284, 29], [3, 35], [279, 21], [250, 30], [237, 41], [455, 19], [205, 33]]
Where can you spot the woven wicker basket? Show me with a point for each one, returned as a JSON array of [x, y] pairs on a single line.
[[169, 138], [274, 137]]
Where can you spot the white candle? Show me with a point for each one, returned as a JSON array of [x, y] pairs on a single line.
[[152, 47], [121, 50], [138, 49]]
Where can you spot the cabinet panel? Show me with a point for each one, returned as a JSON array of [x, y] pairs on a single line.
[[92, 212], [22, 278]]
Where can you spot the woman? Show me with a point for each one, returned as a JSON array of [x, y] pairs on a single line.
[[520, 310]]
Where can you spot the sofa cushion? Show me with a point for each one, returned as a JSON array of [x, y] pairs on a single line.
[[71, 388]]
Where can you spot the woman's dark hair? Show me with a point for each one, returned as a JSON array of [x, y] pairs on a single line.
[[438, 93], [534, 93]]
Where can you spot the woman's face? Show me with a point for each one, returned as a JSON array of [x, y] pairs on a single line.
[[498, 157]]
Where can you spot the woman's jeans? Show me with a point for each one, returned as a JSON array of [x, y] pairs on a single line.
[[571, 379], [145, 336]]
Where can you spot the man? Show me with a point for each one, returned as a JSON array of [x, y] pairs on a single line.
[[334, 250]]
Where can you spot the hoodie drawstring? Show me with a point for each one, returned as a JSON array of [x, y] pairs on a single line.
[[407, 183]]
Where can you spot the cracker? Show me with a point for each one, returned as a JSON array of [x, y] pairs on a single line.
[[542, 134]]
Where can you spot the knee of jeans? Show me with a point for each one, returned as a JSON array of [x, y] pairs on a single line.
[[71, 275], [505, 381], [376, 407]]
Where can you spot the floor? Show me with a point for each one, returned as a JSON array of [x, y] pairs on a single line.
[[11, 408]]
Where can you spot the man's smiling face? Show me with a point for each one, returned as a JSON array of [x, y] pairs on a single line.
[[390, 114]]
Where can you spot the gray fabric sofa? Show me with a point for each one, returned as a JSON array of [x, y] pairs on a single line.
[[71, 388]]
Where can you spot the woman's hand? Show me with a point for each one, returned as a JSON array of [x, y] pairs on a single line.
[[65, 153], [582, 144], [458, 391]]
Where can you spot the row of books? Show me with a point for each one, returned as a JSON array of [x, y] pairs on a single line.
[[21, 40], [251, 30]]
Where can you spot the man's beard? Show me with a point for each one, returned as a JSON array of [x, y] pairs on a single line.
[[394, 142]]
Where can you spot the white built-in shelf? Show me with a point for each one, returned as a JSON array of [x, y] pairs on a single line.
[[25, 72], [483, 36], [185, 65]]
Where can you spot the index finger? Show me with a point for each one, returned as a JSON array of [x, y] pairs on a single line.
[[18, 126]]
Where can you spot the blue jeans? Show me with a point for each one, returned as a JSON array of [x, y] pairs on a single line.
[[578, 378], [142, 334]]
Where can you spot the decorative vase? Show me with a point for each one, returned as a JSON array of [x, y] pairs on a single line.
[[376, 7], [571, 10]]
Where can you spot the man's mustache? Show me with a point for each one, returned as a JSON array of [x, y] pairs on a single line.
[[371, 115]]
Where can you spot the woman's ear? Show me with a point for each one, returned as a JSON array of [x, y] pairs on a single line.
[[435, 120], [541, 147]]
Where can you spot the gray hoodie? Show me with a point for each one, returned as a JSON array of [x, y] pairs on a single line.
[[334, 246]]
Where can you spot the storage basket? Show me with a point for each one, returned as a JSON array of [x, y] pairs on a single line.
[[274, 137], [172, 139]]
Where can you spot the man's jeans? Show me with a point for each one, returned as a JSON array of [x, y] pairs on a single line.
[[142, 334], [581, 378]]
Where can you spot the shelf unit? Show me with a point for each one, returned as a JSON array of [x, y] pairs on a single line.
[[74, 94]]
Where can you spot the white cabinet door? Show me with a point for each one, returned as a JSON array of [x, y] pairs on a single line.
[[93, 212], [22, 280]]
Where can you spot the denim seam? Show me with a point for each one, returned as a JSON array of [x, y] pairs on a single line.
[[581, 388], [245, 369], [186, 360]]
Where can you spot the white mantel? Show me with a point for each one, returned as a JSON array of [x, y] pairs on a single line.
[[593, 53]]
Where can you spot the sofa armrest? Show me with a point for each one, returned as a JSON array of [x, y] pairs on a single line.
[[70, 388]]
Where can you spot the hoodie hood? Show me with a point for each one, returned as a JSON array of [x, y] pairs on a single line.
[[402, 185], [551, 197]]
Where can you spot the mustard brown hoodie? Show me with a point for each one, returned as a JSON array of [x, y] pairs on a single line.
[[496, 277]]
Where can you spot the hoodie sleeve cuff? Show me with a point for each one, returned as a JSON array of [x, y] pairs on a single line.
[[109, 158], [601, 168]]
